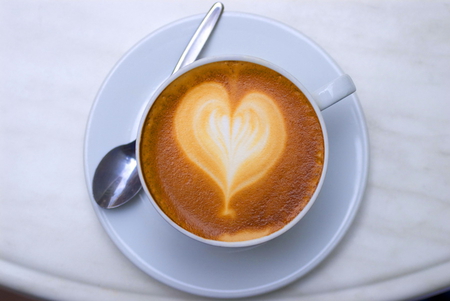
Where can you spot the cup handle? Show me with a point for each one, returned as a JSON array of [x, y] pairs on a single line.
[[334, 91]]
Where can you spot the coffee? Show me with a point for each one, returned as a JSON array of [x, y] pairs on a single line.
[[232, 151]]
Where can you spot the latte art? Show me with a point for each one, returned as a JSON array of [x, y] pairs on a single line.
[[231, 151], [234, 146]]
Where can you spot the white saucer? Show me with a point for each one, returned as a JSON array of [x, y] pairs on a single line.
[[164, 253]]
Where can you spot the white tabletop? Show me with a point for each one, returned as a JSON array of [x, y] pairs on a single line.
[[54, 57]]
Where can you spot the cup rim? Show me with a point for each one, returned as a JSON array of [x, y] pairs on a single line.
[[251, 59]]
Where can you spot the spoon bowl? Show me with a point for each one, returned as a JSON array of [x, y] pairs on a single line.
[[116, 179]]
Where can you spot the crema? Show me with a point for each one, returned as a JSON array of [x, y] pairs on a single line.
[[231, 151]]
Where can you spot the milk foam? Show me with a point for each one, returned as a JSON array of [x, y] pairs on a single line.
[[236, 146]]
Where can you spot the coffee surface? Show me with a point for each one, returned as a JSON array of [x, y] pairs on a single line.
[[232, 151]]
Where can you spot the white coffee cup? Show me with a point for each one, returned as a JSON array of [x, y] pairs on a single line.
[[320, 99]]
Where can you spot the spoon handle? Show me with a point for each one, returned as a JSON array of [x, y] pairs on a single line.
[[200, 37]]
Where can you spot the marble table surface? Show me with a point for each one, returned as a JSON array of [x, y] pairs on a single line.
[[54, 56]]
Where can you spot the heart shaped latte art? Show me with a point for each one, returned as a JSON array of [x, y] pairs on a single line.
[[236, 146]]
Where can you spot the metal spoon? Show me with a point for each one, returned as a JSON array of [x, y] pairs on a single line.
[[116, 179]]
